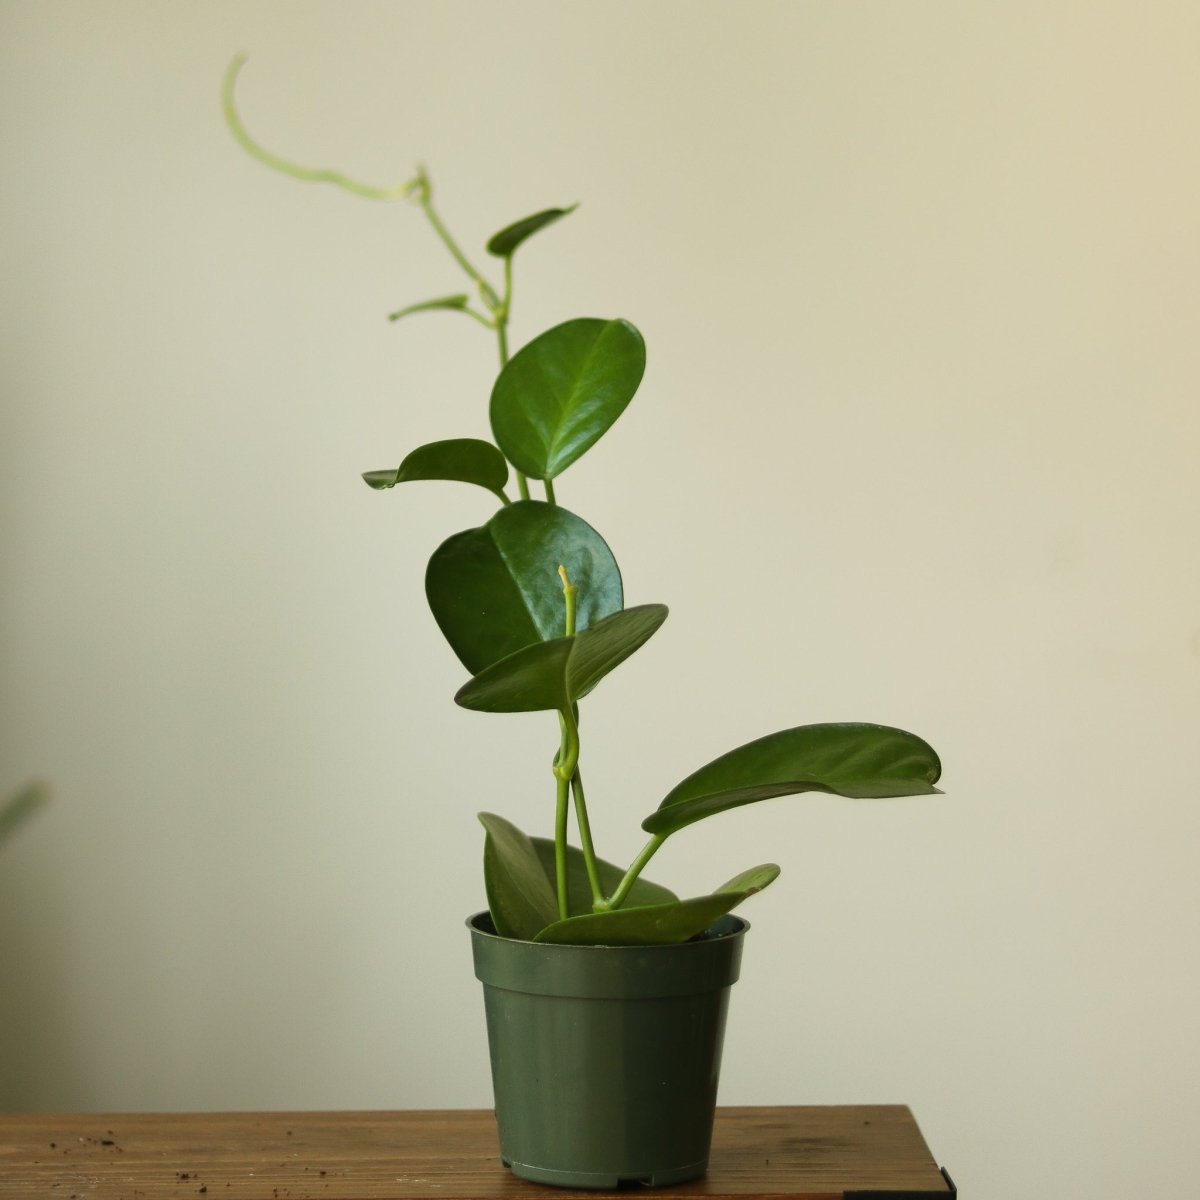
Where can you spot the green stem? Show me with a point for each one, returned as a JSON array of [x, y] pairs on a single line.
[[418, 188], [549, 491], [424, 192], [560, 845], [571, 597], [478, 317], [501, 324], [566, 765], [585, 841], [648, 851], [565, 762], [569, 759], [398, 191]]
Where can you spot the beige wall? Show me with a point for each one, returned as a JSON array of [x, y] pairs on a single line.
[[917, 444]]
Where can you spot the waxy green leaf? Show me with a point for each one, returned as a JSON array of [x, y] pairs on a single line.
[[457, 302], [658, 924], [520, 898], [554, 675], [16, 808], [559, 394], [579, 892], [503, 244], [467, 460], [519, 876], [855, 760], [496, 589]]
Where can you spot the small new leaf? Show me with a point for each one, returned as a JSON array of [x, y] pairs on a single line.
[[503, 244], [457, 302], [16, 808]]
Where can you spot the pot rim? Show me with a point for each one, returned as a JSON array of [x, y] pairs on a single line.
[[607, 972], [736, 925]]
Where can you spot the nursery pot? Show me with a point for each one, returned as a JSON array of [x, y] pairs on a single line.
[[605, 1058]]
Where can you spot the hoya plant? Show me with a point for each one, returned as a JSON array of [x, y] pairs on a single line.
[[532, 604]]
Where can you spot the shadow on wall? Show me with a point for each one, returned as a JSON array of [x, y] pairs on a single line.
[[35, 1046]]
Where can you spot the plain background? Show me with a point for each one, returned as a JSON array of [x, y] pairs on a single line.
[[917, 444]]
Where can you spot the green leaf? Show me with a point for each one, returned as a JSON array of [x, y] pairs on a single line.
[[468, 460], [15, 809], [520, 898], [554, 675], [560, 393], [451, 302], [658, 924], [496, 589], [503, 244], [856, 760], [579, 891], [751, 881]]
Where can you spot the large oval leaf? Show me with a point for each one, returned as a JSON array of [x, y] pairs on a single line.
[[467, 460], [846, 759], [555, 674], [562, 391], [496, 589], [503, 244], [520, 897], [658, 924]]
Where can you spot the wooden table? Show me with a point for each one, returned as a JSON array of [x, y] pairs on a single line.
[[865, 1153]]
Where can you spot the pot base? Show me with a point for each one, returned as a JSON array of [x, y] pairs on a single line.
[[600, 1181]]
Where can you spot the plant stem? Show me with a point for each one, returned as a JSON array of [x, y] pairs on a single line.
[[549, 491], [648, 851], [508, 283], [571, 596], [565, 762], [470, 312], [501, 322], [418, 188], [566, 767], [571, 731], [560, 845], [398, 191], [424, 191]]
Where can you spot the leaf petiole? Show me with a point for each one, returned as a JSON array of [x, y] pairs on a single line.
[[398, 191], [648, 851], [560, 844]]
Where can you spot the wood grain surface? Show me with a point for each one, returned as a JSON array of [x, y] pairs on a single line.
[[805, 1153]]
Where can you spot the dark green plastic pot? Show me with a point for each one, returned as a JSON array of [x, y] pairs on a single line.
[[605, 1058]]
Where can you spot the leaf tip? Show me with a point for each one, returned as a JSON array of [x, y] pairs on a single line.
[[380, 481]]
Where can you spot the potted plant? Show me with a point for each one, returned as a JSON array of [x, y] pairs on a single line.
[[605, 993]]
